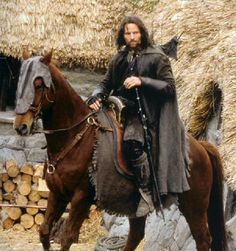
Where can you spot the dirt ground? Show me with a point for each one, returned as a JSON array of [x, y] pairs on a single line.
[[28, 240], [12, 240]]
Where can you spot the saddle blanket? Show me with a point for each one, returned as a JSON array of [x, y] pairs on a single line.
[[116, 193]]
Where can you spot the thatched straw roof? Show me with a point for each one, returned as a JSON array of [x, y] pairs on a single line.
[[80, 32], [207, 58], [83, 33]]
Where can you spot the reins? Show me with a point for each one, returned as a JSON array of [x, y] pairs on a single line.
[[51, 164], [36, 110], [67, 128]]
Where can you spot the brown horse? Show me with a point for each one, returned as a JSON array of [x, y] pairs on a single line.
[[70, 131]]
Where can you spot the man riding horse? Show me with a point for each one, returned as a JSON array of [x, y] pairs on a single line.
[[71, 132], [141, 75]]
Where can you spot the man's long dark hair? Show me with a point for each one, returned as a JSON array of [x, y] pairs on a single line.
[[145, 38]]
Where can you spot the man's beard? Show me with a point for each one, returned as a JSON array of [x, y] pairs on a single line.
[[136, 48]]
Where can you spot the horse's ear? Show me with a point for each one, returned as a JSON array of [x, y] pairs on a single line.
[[56, 62], [25, 53], [47, 58]]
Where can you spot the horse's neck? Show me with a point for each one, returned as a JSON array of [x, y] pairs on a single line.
[[68, 108]]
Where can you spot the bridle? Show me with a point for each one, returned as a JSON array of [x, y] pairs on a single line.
[[36, 109]]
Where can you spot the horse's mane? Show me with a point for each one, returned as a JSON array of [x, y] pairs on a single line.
[[68, 101], [58, 77]]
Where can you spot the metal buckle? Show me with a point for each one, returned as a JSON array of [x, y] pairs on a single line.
[[51, 168], [91, 121]]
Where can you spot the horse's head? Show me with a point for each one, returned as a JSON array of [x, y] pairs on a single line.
[[34, 91]]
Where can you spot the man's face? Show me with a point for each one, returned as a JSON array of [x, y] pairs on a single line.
[[132, 35]]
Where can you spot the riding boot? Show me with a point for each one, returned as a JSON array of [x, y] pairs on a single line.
[[140, 167]]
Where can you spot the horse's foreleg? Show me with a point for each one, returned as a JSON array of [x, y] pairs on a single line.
[[78, 212], [136, 233], [54, 210]]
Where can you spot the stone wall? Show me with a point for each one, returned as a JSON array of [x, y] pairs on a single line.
[[21, 149]]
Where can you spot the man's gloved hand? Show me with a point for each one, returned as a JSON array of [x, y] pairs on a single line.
[[95, 101], [92, 99]]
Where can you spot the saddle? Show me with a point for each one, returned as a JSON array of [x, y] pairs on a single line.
[[114, 114]]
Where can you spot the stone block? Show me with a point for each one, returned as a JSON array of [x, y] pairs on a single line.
[[190, 245], [15, 142], [182, 232], [165, 237], [120, 227], [8, 154], [174, 247], [37, 155], [3, 140], [35, 141], [153, 222], [231, 226]]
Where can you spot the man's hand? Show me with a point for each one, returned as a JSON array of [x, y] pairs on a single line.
[[96, 105], [94, 102], [132, 82]]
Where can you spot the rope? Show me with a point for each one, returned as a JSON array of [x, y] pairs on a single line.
[[114, 243]]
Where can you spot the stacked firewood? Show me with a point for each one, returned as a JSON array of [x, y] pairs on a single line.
[[24, 190]]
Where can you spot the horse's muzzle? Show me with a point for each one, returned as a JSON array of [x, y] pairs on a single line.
[[22, 130]]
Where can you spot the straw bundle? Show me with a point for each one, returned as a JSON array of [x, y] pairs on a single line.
[[83, 33]]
